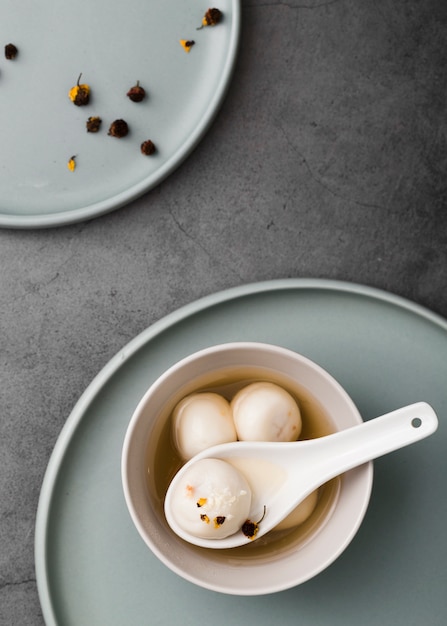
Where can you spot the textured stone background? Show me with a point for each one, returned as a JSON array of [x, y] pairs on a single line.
[[327, 159]]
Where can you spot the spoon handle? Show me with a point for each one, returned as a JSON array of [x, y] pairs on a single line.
[[354, 446]]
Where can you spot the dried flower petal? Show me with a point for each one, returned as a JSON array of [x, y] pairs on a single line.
[[72, 163], [187, 44]]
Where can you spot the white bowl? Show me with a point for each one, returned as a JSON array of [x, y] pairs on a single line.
[[279, 560]]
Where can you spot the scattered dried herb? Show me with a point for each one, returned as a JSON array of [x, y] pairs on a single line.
[[79, 94], [219, 520], [250, 529], [148, 148], [187, 44], [72, 163], [118, 128], [136, 93], [211, 18], [10, 51], [93, 124]]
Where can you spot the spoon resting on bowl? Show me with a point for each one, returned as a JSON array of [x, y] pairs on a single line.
[[294, 470]]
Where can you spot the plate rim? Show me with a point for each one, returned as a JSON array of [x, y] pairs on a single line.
[[75, 417], [96, 209]]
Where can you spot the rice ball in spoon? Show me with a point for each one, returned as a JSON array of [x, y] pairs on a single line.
[[264, 411], [211, 500]]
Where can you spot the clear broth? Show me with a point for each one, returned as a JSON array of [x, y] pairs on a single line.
[[165, 462]]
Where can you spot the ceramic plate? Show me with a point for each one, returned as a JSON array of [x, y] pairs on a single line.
[[93, 568], [113, 45]]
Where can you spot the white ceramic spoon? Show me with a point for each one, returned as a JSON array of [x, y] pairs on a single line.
[[300, 467]]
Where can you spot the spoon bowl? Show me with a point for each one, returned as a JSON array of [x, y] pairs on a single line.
[[296, 469]]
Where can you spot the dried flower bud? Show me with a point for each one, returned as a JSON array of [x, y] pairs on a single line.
[[250, 529], [79, 94], [136, 93], [118, 128], [10, 51], [93, 124], [211, 17], [148, 148]]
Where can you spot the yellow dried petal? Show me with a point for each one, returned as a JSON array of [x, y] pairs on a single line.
[[201, 501], [75, 90], [72, 164], [186, 44]]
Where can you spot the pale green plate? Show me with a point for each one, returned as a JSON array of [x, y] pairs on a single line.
[[113, 44], [93, 568]]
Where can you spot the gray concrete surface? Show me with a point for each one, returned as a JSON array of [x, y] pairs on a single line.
[[327, 159]]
